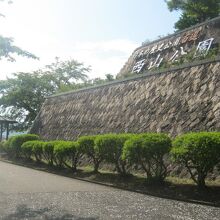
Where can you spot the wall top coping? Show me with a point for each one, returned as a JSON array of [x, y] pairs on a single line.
[[138, 77]]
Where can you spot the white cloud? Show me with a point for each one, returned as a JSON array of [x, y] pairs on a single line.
[[103, 57]]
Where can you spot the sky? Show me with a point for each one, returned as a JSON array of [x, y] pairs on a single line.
[[99, 33]]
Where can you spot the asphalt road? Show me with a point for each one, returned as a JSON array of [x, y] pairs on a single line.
[[30, 194]]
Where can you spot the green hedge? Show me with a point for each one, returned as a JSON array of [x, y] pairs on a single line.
[[148, 151], [197, 151], [32, 149], [48, 151], [66, 153], [26, 149], [37, 150], [87, 147], [110, 147], [14, 143], [3, 147]]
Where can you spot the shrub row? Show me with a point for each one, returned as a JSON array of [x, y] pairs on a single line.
[[13, 145], [198, 152]]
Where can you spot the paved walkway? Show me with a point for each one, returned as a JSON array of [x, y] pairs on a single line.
[[31, 194]]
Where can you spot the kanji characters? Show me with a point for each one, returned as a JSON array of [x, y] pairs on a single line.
[[203, 47], [138, 66]]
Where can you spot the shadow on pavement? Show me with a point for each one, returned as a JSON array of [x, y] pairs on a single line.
[[24, 212]]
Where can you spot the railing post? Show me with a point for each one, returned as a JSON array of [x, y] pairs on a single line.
[[7, 130], [1, 131]]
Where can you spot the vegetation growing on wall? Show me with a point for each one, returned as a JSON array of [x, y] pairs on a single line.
[[189, 58], [184, 59]]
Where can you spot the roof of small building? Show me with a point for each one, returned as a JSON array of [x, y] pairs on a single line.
[[3, 119]]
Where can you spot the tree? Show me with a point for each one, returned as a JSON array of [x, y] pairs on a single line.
[[23, 94], [7, 48], [66, 73], [109, 77], [193, 11], [99, 81]]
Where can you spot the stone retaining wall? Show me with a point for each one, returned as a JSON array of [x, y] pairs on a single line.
[[174, 101]]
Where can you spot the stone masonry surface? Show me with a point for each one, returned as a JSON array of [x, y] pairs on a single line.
[[176, 101]]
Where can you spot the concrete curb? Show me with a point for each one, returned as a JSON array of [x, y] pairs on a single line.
[[113, 186]]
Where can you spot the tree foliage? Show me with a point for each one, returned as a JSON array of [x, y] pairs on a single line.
[[193, 11], [66, 73], [7, 49], [9, 2], [23, 94]]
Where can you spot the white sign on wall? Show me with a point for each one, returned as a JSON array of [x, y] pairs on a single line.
[[203, 47], [138, 66]]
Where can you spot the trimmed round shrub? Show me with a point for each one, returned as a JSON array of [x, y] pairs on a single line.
[[66, 154], [15, 142], [37, 150], [199, 152], [7, 148], [26, 149], [110, 146], [3, 146], [32, 148], [48, 151], [148, 150], [87, 146]]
